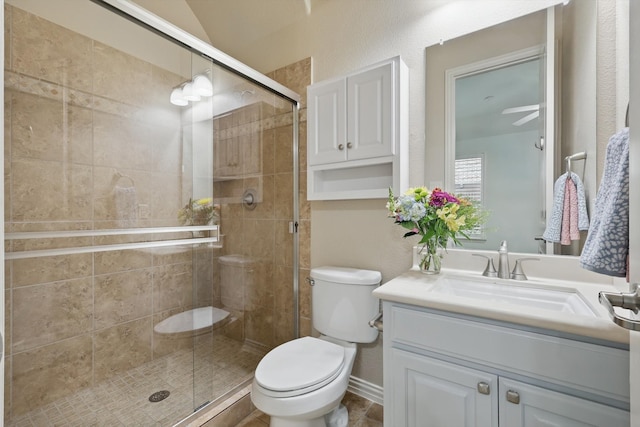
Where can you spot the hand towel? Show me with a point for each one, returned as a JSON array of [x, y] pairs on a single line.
[[569, 229], [583, 217], [554, 222], [607, 246]]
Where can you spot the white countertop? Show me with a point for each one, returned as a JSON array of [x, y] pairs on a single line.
[[416, 288]]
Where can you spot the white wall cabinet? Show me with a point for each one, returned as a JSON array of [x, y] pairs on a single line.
[[442, 370], [357, 127]]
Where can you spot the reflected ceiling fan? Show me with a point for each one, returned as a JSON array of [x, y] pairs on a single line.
[[535, 108]]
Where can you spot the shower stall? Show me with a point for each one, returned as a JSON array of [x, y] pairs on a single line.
[[151, 217]]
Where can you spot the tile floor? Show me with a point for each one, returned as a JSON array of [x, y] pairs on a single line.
[[362, 413], [220, 364]]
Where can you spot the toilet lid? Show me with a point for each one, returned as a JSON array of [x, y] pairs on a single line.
[[303, 364]]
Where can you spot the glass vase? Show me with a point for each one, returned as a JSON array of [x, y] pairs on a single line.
[[431, 258]]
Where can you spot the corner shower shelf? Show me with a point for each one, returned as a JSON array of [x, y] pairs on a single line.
[[213, 239]]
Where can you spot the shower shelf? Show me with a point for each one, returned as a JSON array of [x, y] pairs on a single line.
[[211, 241]]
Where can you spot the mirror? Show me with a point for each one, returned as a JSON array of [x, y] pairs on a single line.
[[502, 124]]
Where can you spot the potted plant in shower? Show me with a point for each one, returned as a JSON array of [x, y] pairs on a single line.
[[199, 212]]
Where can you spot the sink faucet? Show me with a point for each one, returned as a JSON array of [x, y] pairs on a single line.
[[503, 261]]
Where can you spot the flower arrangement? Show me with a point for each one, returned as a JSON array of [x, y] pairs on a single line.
[[437, 216], [199, 212]]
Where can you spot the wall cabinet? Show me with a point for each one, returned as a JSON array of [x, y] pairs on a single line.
[[442, 370], [357, 128]]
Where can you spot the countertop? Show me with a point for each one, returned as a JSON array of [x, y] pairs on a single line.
[[416, 288]]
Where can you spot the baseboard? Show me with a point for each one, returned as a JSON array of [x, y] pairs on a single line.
[[365, 389]]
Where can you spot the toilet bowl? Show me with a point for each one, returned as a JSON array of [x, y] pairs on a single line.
[[301, 382], [298, 389]]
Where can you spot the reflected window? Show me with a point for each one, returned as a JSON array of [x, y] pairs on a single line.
[[468, 184]]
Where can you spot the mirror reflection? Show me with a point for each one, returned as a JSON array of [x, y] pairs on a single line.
[[498, 144], [510, 103]]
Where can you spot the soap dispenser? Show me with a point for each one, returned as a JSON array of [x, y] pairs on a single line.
[[503, 261]]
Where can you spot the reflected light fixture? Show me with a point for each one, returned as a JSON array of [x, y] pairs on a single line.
[[202, 85], [177, 98], [192, 90], [189, 93]]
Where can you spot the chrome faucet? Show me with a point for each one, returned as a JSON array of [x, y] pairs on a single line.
[[503, 261]]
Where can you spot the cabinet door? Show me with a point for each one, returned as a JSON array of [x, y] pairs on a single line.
[[370, 113], [524, 405], [326, 121], [432, 393]]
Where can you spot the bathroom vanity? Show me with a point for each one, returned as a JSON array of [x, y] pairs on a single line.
[[464, 350]]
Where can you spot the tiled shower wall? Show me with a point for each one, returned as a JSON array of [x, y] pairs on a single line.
[[81, 119], [260, 236]]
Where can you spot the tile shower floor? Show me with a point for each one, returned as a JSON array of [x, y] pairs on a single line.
[[221, 363]]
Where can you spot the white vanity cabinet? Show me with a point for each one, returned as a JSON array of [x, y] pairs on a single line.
[[357, 133], [444, 369]]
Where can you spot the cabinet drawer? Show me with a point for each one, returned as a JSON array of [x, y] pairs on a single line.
[[590, 368]]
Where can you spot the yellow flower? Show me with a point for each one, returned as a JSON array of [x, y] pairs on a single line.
[[205, 201], [454, 224]]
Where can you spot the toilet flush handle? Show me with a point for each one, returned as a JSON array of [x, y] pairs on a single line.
[[310, 281]]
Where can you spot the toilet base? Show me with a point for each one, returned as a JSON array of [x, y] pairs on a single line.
[[338, 417]]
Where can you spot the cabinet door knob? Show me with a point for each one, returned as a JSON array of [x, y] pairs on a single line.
[[483, 388], [349, 145], [513, 397], [341, 147]]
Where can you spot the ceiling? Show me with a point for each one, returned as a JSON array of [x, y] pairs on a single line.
[[232, 23], [481, 99]]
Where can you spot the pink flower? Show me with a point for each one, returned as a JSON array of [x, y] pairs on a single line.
[[440, 198]]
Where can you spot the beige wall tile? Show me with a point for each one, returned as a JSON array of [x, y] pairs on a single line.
[[7, 386], [7, 323], [116, 261], [122, 347], [122, 297], [50, 191], [259, 239], [283, 249], [284, 153], [166, 196], [43, 375], [284, 196], [46, 313], [259, 325], [120, 142], [50, 52], [121, 77], [172, 287], [50, 130], [8, 11], [32, 271]]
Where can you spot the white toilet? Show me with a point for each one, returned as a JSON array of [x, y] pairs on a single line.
[[300, 382]]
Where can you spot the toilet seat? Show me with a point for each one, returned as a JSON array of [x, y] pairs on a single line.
[[299, 366]]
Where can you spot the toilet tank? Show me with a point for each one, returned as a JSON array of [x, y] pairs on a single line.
[[342, 303]]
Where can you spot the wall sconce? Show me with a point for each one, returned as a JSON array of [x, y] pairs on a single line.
[[192, 91]]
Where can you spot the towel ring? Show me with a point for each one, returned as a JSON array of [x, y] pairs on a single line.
[[577, 156]]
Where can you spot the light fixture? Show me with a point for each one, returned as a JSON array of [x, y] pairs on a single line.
[[202, 85], [177, 98], [189, 93]]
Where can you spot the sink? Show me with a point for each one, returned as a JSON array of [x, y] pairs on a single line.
[[558, 299]]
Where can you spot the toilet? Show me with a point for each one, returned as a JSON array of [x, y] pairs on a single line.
[[301, 383]]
